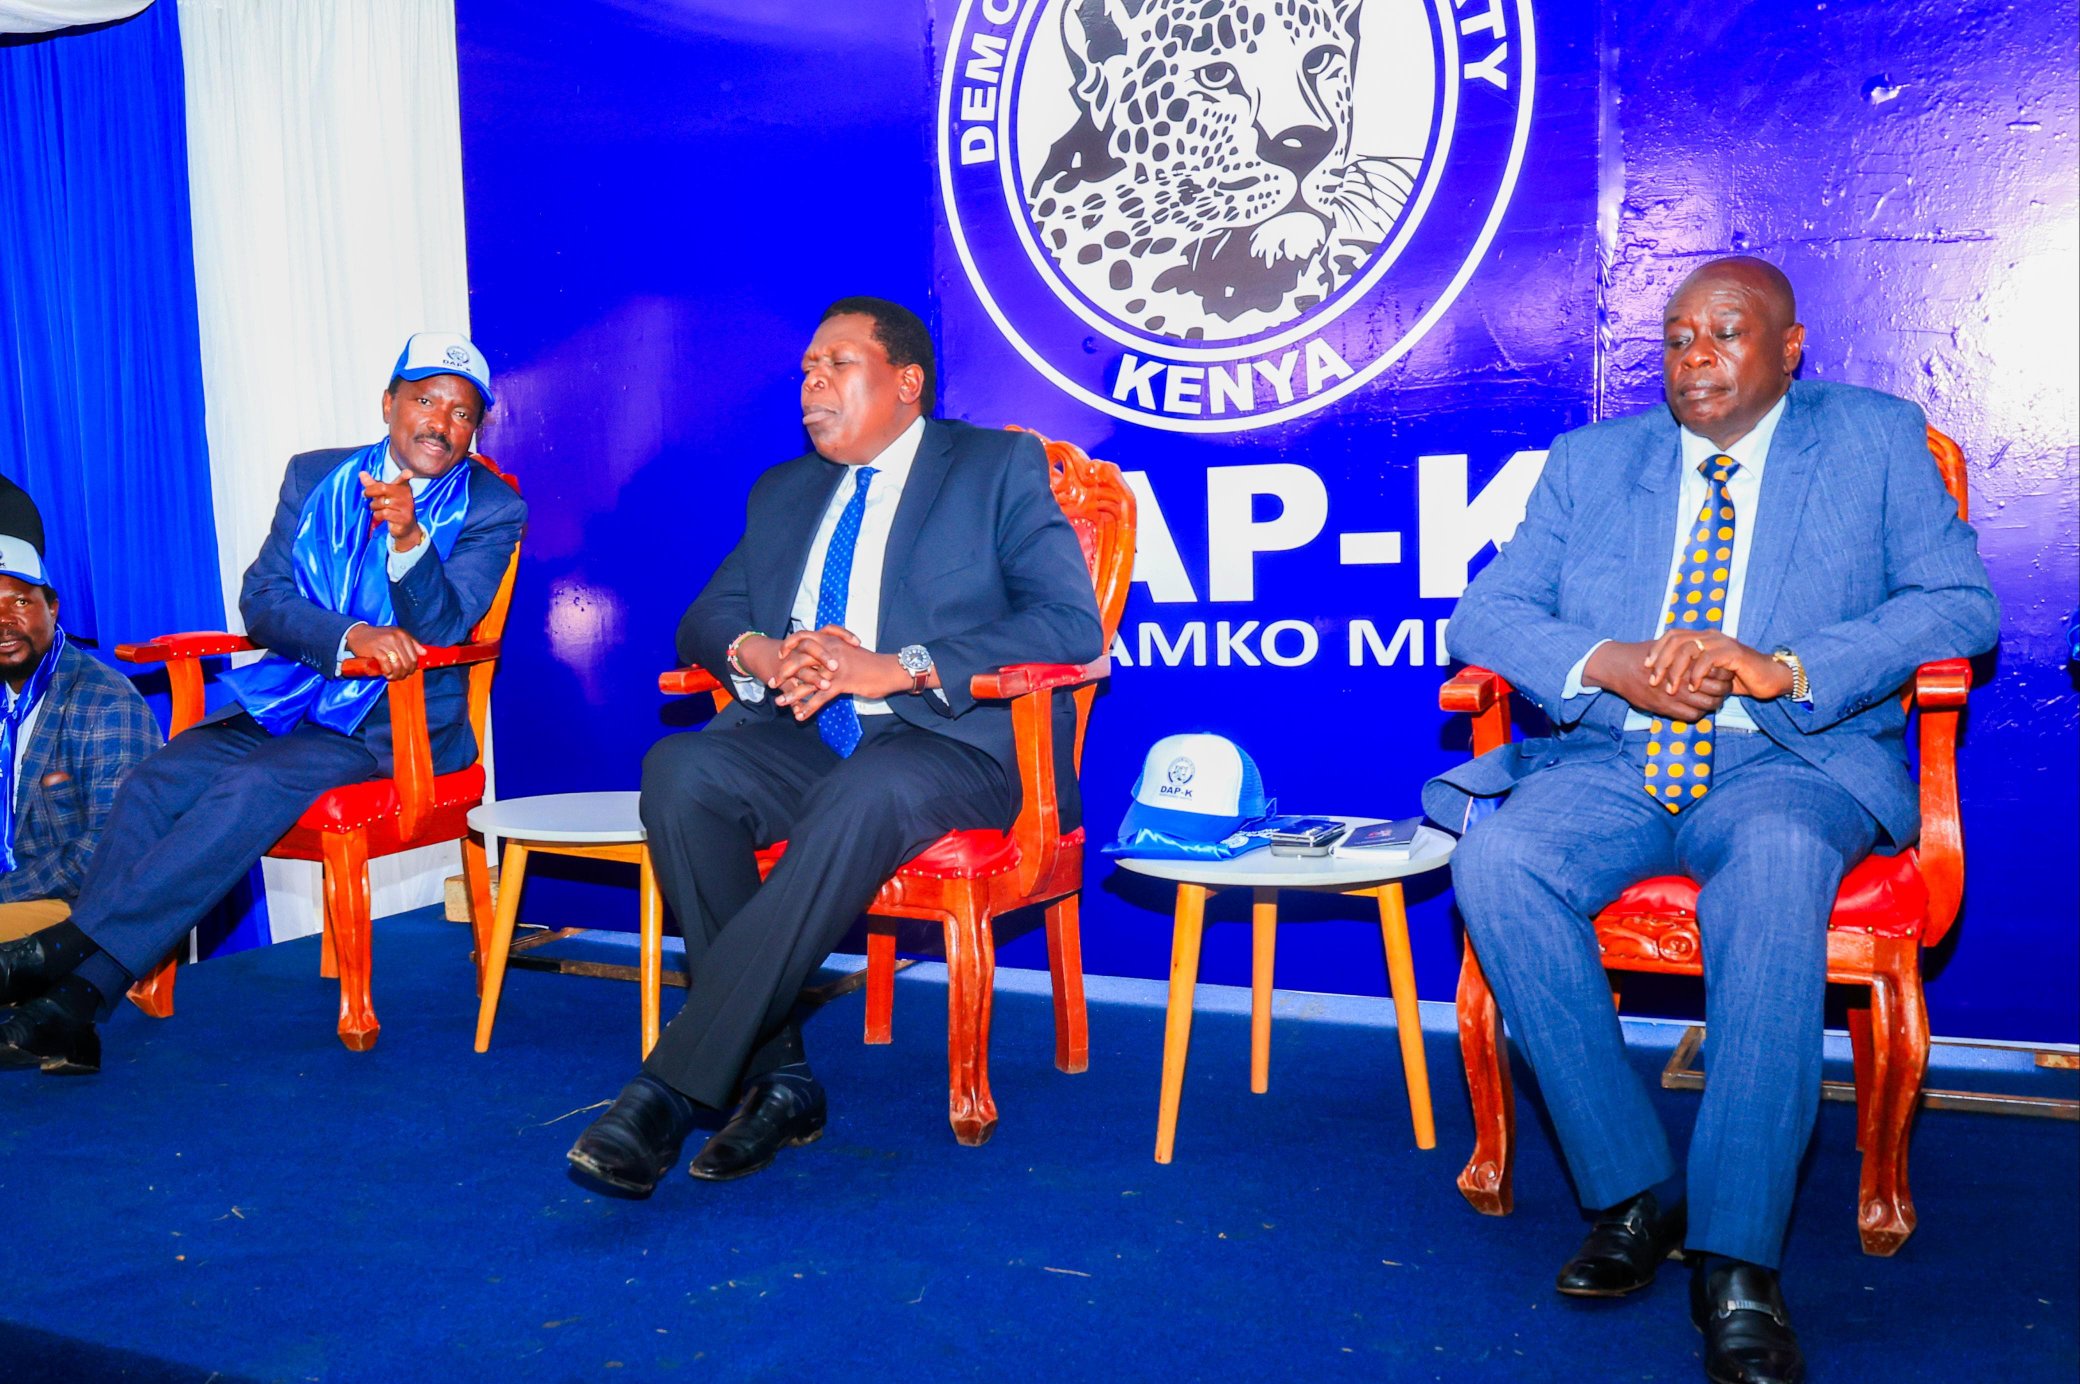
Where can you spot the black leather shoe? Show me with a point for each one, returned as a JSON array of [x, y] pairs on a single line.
[[777, 1113], [626, 1150], [1747, 1333], [25, 969], [46, 1034], [1623, 1248]]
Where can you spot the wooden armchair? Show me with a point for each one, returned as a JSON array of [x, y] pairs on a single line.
[[967, 878], [1888, 909], [348, 826]]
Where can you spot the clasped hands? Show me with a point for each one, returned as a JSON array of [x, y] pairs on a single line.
[[810, 667], [1686, 674]]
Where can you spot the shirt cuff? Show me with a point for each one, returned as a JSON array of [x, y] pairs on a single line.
[[401, 563], [341, 656], [1574, 687], [749, 690]]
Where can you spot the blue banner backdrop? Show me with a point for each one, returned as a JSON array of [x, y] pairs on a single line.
[[1332, 401]]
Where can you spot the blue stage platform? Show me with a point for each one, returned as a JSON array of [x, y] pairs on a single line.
[[237, 1197]]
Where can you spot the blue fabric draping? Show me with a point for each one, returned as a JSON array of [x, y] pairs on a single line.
[[341, 564], [101, 410]]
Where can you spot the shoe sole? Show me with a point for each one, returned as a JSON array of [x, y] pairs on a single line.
[[66, 1066], [608, 1182], [13, 1058], [795, 1143], [1606, 1294]]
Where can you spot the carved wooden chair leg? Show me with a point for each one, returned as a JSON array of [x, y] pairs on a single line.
[[328, 945], [971, 967], [346, 929], [476, 873], [1874, 1210], [1486, 1180], [881, 980], [1899, 1019], [1072, 1039], [153, 992], [1866, 1066]]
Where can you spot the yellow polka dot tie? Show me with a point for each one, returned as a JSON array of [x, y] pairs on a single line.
[[1679, 754]]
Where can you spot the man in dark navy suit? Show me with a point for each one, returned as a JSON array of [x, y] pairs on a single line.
[[1715, 603], [375, 552], [876, 576]]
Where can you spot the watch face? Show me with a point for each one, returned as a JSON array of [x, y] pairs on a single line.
[[914, 659]]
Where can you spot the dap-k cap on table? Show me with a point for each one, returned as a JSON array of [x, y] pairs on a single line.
[[1191, 801]]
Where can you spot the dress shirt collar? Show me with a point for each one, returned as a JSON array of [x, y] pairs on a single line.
[[893, 465], [1751, 451]]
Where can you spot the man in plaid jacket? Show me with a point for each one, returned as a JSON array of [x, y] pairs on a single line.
[[81, 729]]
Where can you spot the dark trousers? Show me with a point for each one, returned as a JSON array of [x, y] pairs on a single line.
[[710, 798], [191, 820], [1768, 847]]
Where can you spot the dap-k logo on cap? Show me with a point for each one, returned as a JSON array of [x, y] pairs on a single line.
[[455, 355], [1212, 215], [1181, 771]]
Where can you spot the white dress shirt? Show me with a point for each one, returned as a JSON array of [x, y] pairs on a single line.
[[863, 597], [1743, 488]]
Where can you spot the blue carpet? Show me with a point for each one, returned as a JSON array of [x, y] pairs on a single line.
[[238, 1197]]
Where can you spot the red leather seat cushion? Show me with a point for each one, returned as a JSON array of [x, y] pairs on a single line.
[[956, 855], [359, 804], [1883, 895]]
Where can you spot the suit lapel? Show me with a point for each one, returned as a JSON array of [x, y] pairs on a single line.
[[779, 567], [1786, 477], [927, 474], [1657, 486]]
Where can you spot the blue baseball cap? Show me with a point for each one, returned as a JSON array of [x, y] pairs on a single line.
[[444, 353], [20, 560], [1195, 787]]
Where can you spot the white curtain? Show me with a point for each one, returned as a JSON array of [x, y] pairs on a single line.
[[325, 173], [41, 16]]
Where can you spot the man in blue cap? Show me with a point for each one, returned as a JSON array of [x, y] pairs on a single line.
[[71, 730], [375, 552]]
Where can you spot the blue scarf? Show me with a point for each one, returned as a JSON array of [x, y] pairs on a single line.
[[10, 730], [342, 563]]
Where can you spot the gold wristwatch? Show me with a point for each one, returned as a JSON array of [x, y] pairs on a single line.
[[1801, 689]]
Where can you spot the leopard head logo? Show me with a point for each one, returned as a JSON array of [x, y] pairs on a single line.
[[1208, 186]]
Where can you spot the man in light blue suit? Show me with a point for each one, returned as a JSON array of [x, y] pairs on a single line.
[[1715, 605]]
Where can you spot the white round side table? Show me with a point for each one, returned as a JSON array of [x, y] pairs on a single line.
[[1264, 874], [594, 826]]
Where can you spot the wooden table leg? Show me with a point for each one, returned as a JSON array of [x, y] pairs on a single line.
[[1177, 1025], [510, 875], [1263, 918], [1408, 1020], [652, 964]]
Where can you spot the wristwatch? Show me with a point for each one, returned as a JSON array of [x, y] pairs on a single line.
[[1801, 690], [917, 662]]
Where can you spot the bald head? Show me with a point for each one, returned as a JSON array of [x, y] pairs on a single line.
[[1757, 276], [1730, 345]]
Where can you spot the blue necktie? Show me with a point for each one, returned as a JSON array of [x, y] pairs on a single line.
[[1678, 763], [838, 722]]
